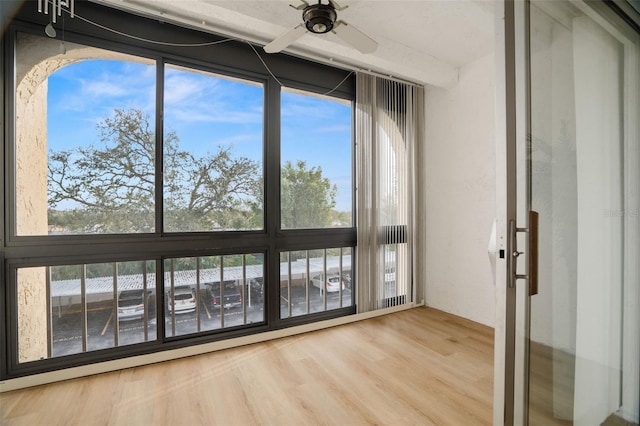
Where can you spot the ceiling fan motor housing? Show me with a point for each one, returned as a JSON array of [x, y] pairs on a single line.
[[319, 18]]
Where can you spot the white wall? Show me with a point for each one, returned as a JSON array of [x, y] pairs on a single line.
[[460, 192]]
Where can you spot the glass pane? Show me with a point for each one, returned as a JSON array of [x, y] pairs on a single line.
[[70, 309], [298, 290], [338, 269], [85, 142], [286, 307], [97, 307], [137, 314], [67, 313], [315, 281], [319, 284], [196, 300], [345, 269], [584, 338], [213, 148], [316, 162]]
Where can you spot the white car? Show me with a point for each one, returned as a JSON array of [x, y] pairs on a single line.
[[333, 283], [183, 300], [130, 305]]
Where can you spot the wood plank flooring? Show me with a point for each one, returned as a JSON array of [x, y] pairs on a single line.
[[550, 399], [415, 367]]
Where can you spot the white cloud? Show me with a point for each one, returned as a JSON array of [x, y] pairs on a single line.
[[195, 98], [214, 114], [240, 139], [302, 110], [181, 88], [122, 85], [338, 128], [102, 89]]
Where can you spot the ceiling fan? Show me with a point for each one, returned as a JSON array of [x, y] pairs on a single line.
[[320, 19]]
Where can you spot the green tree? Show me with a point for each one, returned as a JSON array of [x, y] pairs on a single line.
[[211, 192], [112, 186], [307, 198]]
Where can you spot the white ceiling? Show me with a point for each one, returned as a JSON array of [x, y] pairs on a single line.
[[424, 41]]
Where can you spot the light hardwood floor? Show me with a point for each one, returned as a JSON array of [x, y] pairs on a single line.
[[416, 367]]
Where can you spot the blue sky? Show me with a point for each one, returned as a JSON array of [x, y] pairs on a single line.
[[204, 111]]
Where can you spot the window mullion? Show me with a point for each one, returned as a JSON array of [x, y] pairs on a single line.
[[83, 303], [271, 190], [243, 290], [159, 287], [198, 279], [49, 313], [159, 154], [116, 322], [145, 300], [170, 299], [289, 306], [221, 291], [159, 202]]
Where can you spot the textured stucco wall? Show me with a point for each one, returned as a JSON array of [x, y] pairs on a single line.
[[460, 191], [31, 197], [32, 314], [31, 155]]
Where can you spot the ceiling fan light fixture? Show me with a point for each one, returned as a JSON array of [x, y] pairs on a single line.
[[50, 31], [319, 18]]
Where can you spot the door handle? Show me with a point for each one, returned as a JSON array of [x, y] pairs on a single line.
[[532, 248], [533, 252]]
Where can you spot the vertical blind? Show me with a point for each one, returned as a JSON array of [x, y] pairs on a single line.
[[389, 131]]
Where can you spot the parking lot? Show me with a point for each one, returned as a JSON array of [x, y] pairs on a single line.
[[68, 336]]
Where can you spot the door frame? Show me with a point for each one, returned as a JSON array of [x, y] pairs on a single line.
[[513, 124], [511, 107]]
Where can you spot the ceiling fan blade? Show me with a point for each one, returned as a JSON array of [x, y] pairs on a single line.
[[285, 39], [354, 37], [336, 6], [300, 6]]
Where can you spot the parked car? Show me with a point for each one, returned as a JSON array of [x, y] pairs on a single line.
[[346, 276], [333, 283], [130, 305], [231, 294], [183, 300], [255, 290]]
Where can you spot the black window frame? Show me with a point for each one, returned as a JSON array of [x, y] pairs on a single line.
[[232, 58]]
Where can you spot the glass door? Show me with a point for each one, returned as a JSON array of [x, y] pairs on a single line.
[[580, 327]]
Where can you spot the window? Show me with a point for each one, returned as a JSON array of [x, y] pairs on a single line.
[[82, 308], [316, 166], [315, 281], [212, 152], [144, 202], [79, 167], [213, 292]]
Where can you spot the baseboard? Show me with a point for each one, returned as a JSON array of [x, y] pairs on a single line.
[[140, 360]]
